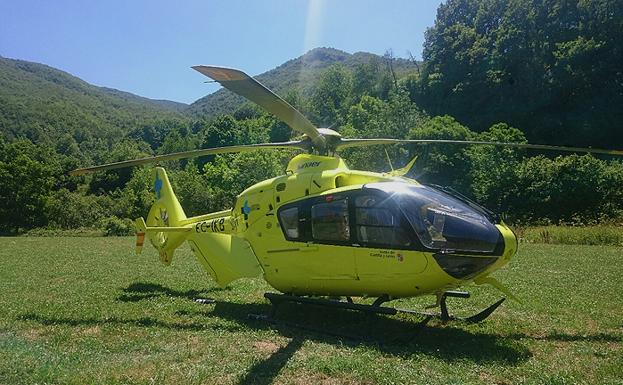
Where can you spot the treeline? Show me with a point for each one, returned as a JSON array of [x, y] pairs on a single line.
[[530, 189]]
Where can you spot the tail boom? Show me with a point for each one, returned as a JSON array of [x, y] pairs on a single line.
[[212, 237]]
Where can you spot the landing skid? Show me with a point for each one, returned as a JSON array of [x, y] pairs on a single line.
[[376, 308]]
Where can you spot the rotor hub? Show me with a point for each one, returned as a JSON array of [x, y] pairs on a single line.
[[332, 140]]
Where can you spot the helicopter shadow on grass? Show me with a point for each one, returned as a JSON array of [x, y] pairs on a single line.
[[139, 291], [398, 336], [301, 323], [134, 293], [390, 335]]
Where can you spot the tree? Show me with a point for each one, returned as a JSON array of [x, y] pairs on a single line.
[[442, 164], [230, 174], [27, 180], [332, 96], [108, 181], [222, 131], [549, 67], [492, 173], [375, 118]]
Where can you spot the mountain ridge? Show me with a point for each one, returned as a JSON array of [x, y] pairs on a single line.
[[28, 66], [48, 105], [43, 104], [308, 66]]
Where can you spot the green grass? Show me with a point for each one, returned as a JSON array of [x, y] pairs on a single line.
[[86, 310], [79, 232], [573, 235]]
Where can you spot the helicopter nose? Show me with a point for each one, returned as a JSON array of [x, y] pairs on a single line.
[[465, 266], [511, 242]]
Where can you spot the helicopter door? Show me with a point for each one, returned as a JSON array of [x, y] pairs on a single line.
[[313, 250], [386, 244], [330, 232], [322, 225]]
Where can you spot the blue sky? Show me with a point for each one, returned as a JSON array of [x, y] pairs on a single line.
[[147, 47]]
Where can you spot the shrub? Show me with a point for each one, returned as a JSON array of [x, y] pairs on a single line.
[[114, 226], [611, 235]]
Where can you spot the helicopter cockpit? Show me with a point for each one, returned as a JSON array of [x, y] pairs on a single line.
[[441, 221], [392, 215]]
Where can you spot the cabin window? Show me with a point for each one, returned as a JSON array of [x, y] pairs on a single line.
[[441, 221], [330, 221], [376, 222], [289, 219]]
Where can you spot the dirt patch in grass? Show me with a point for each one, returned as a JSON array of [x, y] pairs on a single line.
[[140, 373], [267, 347], [318, 379], [33, 334], [488, 378], [91, 331]]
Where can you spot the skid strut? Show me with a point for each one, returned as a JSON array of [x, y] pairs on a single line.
[[277, 299], [443, 315]]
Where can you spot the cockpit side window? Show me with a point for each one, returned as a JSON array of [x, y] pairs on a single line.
[[330, 221], [376, 222], [289, 219]]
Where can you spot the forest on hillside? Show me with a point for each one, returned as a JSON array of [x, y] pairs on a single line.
[[493, 70]]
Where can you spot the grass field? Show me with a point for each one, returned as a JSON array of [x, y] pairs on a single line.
[[86, 310]]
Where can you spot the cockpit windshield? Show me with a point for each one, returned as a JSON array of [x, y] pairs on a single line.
[[441, 221]]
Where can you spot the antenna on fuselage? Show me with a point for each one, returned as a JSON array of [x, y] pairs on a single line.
[[388, 159]]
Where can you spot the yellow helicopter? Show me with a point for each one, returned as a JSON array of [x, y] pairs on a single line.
[[324, 230]]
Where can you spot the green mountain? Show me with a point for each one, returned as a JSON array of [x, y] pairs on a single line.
[[45, 104], [50, 106], [300, 74]]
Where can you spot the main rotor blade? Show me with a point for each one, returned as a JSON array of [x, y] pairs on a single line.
[[189, 154], [244, 85], [345, 143]]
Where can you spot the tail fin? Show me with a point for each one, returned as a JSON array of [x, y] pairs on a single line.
[[164, 221], [166, 198]]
